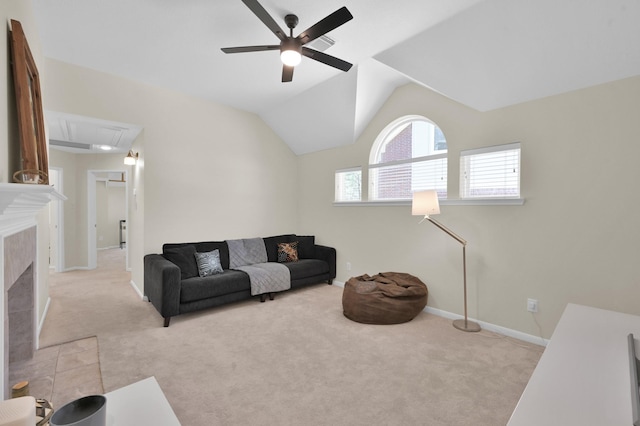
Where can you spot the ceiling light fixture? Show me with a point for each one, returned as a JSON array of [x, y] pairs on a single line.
[[106, 147], [131, 158], [291, 52]]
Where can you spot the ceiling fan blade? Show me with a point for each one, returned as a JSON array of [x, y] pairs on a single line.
[[266, 19], [325, 25], [287, 73], [243, 49], [326, 59]]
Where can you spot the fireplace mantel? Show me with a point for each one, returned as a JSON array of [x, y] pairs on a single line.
[[20, 203]]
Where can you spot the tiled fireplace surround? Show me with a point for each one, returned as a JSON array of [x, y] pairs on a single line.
[[20, 261], [19, 207]]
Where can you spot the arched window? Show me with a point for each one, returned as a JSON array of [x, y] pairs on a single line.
[[409, 155]]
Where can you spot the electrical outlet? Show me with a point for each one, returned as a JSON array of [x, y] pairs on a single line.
[[348, 266], [532, 305]]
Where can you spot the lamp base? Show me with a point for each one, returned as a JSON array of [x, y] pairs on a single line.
[[466, 325]]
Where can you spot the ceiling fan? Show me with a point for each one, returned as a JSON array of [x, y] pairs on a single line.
[[292, 48]]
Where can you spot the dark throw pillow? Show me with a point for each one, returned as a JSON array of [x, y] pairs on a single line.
[[288, 252], [183, 257], [306, 247], [208, 263]]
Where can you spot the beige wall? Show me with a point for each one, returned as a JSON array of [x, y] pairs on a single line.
[[574, 240], [20, 10], [206, 171]]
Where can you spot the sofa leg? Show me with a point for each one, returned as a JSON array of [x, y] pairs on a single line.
[[330, 281], [263, 297], [166, 321], [271, 296]]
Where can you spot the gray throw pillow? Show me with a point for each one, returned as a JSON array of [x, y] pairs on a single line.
[[208, 263]]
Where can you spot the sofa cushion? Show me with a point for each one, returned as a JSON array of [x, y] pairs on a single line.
[[305, 268], [208, 263], [203, 247], [183, 256], [230, 281], [271, 244], [306, 246], [288, 252]]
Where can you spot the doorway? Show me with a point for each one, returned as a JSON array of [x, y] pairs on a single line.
[[107, 210]]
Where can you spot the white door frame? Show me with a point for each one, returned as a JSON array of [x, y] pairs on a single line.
[[57, 204], [92, 246]]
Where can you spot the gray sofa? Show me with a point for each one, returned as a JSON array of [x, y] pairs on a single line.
[[172, 283]]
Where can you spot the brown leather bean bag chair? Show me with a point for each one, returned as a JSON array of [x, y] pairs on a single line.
[[386, 298]]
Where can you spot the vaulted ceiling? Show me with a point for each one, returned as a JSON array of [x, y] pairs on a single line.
[[485, 54]]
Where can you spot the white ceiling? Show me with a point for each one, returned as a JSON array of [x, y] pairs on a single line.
[[486, 54]]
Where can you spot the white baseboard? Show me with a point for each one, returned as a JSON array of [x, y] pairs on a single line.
[[77, 268], [41, 323], [536, 340], [137, 290]]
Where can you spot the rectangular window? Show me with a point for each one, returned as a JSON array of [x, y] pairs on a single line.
[[397, 180], [491, 172], [349, 185]]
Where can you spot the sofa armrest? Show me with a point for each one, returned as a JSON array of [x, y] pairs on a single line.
[[328, 254], [162, 284]]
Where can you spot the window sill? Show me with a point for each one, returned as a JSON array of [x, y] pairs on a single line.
[[446, 202]]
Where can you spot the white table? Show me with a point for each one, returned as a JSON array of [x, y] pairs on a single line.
[[582, 377], [141, 403]]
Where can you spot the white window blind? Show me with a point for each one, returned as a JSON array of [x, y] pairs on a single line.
[[398, 180], [348, 185], [491, 172]]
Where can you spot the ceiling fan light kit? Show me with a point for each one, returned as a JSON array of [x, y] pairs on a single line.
[[293, 48], [291, 52]]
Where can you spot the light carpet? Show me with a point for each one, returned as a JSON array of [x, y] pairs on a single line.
[[292, 361]]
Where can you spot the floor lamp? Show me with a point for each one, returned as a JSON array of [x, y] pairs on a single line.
[[426, 203]]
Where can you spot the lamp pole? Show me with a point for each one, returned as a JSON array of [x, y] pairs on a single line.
[[464, 325]]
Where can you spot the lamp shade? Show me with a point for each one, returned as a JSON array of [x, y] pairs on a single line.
[[290, 57], [425, 203], [130, 159], [291, 52]]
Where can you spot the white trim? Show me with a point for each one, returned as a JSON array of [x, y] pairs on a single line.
[[443, 202], [350, 169], [92, 252], [484, 202], [76, 268], [536, 340], [409, 160], [108, 248], [389, 129], [41, 323], [493, 148], [137, 290]]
